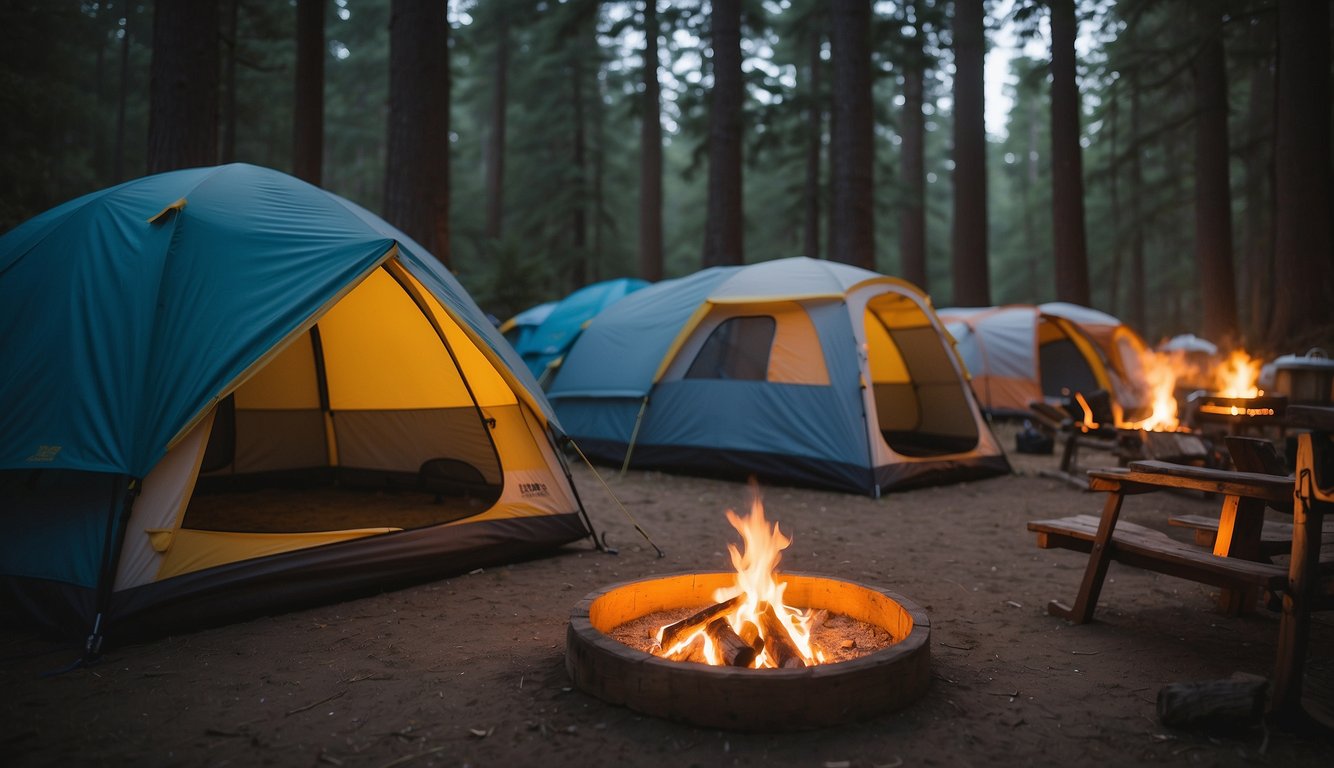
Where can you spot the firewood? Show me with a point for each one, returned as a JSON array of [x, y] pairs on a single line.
[[816, 619], [1215, 704], [672, 633], [734, 651], [693, 651], [751, 634], [777, 643]]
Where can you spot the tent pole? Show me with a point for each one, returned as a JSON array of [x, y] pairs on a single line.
[[552, 440], [106, 582], [624, 511], [634, 435]]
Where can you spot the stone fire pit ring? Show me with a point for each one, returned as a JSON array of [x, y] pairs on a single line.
[[749, 699]]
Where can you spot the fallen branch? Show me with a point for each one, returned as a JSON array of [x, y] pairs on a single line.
[[312, 705]]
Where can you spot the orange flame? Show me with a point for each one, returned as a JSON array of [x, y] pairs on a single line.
[[755, 567], [1160, 373], [1088, 423], [1238, 375]]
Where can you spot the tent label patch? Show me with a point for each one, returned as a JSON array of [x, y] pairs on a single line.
[[529, 490], [44, 453]]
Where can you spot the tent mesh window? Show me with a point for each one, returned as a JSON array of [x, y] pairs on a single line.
[[737, 349]]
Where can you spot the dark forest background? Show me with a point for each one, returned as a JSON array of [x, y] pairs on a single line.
[[1167, 161]]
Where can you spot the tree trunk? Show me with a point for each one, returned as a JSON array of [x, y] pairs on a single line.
[[972, 282], [597, 203], [1068, 239], [118, 151], [183, 94], [1302, 256], [417, 167], [1137, 287], [229, 84], [650, 154], [1257, 157], [723, 222], [1114, 191], [852, 197], [96, 126], [1032, 178], [308, 122], [579, 213], [495, 145], [814, 145], [912, 219], [1213, 193]]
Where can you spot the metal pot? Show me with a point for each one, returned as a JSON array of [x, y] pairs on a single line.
[[1306, 379]]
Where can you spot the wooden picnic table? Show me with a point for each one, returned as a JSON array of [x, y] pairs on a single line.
[[1238, 561]]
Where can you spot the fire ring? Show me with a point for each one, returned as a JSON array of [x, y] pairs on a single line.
[[748, 699]]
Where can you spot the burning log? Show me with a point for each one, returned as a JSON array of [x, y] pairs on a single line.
[[734, 651], [751, 634], [673, 633], [694, 651], [777, 642]]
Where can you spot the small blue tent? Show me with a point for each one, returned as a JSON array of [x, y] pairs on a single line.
[[799, 370], [518, 329], [544, 347], [221, 329]]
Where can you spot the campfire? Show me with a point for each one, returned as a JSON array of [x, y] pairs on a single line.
[[1226, 400], [1236, 399], [1232, 396], [1160, 373], [750, 649], [749, 625]]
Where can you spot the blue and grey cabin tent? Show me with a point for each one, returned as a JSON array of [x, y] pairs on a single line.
[[798, 370], [176, 342]]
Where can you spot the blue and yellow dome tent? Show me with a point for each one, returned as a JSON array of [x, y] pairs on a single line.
[[234, 326], [798, 370]]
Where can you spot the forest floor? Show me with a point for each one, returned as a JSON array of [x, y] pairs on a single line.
[[470, 670]]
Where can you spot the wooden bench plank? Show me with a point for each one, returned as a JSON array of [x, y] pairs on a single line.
[[1275, 537], [1249, 484], [1313, 417], [1152, 550]]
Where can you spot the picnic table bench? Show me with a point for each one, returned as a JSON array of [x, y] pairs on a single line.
[[1236, 563]]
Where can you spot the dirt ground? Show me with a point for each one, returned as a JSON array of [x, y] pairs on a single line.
[[470, 670]]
